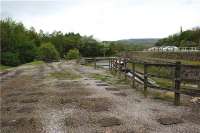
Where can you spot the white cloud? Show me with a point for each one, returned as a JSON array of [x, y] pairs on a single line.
[[108, 19]]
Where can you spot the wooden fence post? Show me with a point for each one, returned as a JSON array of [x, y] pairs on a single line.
[[145, 79], [177, 83], [109, 63], [115, 66], [119, 68], [125, 67], [198, 84], [95, 64], [133, 78]]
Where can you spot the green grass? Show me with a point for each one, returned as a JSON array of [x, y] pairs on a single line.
[[35, 63], [108, 78], [67, 74], [101, 77], [163, 82], [190, 62], [167, 96], [3, 68]]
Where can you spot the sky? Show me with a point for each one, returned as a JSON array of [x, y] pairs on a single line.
[[106, 19]]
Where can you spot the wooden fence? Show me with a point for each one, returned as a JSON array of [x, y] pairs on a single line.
[[181, 73]]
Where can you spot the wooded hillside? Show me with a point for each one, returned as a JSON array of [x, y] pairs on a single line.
[[188, 38]]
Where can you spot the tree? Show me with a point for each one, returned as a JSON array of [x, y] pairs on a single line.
[[188, 38], [27, 52], [10, 59], [73, 54], [47, 52]]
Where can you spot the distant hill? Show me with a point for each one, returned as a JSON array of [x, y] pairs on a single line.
[[144, 41], [132, 44]]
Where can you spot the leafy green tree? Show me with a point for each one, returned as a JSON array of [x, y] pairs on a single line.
[[10, 59], [47, 52], [27, 52], [73, 54], [188, 38]]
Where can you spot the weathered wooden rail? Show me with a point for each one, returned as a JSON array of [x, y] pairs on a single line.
[[181, 73]]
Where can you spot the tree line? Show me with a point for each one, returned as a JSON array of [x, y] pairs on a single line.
[[20, 45], [188, 38]]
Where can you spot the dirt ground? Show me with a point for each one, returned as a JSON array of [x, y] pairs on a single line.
[[63, 97]]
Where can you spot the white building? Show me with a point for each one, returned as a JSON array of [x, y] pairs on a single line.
[[170, 49]]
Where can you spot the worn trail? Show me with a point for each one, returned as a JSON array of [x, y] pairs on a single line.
[[64, 97]]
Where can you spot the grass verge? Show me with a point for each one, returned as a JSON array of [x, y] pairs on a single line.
[[35, 63], [167, 96], [3, 68]]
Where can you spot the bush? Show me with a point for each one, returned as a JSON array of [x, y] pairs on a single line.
[[73, 54], [10, 59], [47, 52], [27, 52]]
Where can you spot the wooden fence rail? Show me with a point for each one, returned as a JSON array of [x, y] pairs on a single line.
[[119, 66]]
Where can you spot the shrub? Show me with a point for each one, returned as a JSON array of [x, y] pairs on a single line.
[[27, 52], [10, 59], [47, 52], [73, 54]]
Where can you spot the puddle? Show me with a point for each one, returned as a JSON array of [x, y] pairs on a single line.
[[120, 94], [112, 89], [109, 122], [25, 110], [102, 84], [29, 100], [169, 121]]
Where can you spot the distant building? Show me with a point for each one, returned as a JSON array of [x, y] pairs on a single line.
[[173, 49], [164, 49], [153, 49]]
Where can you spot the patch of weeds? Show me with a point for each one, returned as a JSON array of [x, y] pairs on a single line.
[[163, 82], [121, 81], [73, 122], [68, 100], [190, 62], [101, 77], [95, 104], [89, 64], [65, 75], [74, 93], [168, 96], [18, 82]]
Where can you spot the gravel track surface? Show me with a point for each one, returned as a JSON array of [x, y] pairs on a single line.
[[33, 100]]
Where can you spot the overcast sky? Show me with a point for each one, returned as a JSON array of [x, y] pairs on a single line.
[[106, 19]]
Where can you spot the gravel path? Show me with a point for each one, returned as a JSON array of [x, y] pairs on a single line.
[[64, 97]]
